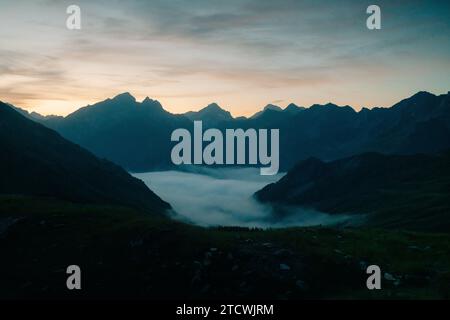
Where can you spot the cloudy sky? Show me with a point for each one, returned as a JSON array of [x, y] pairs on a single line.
[[242, 54]]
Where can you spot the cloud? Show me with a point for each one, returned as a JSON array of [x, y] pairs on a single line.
[[242, 53], [211, 197]]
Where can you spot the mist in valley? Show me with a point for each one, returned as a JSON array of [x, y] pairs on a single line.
[[213, 197]]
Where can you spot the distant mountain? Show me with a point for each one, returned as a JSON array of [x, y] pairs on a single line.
[[134, 135], [37, 161], [211, 115], [34, 115], [419, 124], [411, 191], [293, 108], [268, 107], [137, 135]]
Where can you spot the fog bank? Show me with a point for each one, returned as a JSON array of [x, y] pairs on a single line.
[[212, 197]]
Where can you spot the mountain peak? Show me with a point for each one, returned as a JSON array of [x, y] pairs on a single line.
[[212, 113], [267, 107], [126, 96], [292, 107], [150, 102], [421, 100], [272, 107], [422, 94], [212, 107], [328, 105]]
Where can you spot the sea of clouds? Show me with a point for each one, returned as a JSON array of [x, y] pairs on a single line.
[[213, 197]]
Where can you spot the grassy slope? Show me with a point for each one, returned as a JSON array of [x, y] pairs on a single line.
[[123, 253]]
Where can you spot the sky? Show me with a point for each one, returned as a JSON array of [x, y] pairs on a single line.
[[241, 54]]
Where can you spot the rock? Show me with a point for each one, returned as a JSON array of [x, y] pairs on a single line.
[[284, 267], [389, 277], [363, 265], [338, 251], [301, 285], [213, 249], [235, 267]]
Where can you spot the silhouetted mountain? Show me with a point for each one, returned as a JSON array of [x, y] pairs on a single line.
[[34, 115], [293, 108], [37, 161], [419, 124], [403, 191], [268, 107], [137, 135], [211, 115], [134, 135]]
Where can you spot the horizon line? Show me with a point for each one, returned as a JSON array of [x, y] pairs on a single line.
[[140, 101]]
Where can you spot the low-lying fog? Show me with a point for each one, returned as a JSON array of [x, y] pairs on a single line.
[[211, 197]]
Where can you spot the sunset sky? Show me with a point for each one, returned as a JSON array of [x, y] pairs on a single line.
[[242, 54]]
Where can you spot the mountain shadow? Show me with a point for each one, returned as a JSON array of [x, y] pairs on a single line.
[[37, 161]]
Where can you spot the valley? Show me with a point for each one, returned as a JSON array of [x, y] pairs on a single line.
[[202, 232]]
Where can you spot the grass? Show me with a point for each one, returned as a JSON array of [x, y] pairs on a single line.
[[127, 254]]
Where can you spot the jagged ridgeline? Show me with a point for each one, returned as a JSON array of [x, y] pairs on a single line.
[[136, 135], [37, 161]]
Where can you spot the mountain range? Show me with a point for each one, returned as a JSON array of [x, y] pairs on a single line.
[[37, 161], [136, 135], [407, 191]]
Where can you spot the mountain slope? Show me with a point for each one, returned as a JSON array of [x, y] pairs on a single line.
[[38, 161], [134, 135], [410, 191]]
